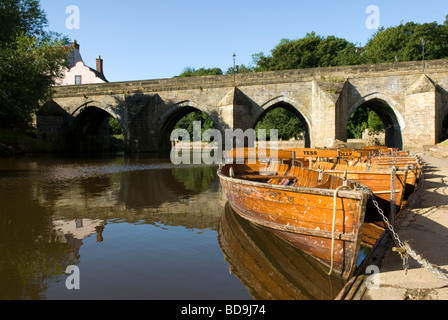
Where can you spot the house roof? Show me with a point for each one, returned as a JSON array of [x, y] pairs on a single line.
[[75, 56]]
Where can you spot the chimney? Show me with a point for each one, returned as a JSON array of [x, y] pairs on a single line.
[[75, 45], [99, 65]]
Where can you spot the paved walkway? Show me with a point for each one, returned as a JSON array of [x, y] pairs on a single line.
[[425, 226]]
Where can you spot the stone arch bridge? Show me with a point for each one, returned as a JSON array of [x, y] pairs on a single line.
[[410, 98]]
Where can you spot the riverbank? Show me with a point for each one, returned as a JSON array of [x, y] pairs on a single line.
[[13, 143], [425, 226]]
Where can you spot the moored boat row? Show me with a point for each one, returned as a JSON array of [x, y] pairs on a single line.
[[328, 203]]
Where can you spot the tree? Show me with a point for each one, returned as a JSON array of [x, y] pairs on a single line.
[[364, 118], [20, 16], [188, 121], [31, 59], [404, 43], [357, 123], [375, 123], [287, 123], [240, 69], [114, 127], [312, 51], [192, 72]]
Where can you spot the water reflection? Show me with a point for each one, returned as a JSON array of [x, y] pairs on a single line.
[[52, 208], [138, 229], [271, 268]]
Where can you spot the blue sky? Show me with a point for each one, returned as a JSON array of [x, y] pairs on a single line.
[[157, 39]]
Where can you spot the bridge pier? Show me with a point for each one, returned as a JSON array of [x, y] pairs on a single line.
[[328, 112], [424, 105]]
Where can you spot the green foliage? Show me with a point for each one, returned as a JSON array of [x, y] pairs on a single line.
[[401, 43], [195, 180], [240, 69], [309, 52], [362, 119], [20, 143], [30, 62], [21, 17], [286, 122], [114, 127], [192, 72], [357, 123], [375, 124], [404, 43], [187, 122]]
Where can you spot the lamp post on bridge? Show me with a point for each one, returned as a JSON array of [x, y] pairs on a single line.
[[234, 67], [423, 52]]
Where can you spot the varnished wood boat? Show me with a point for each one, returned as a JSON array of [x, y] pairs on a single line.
[[365, 163], [390, 174], [296, 202]]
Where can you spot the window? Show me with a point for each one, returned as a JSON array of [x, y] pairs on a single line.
[[78, 79]]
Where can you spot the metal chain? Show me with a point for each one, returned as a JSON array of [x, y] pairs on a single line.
[[406, 249]]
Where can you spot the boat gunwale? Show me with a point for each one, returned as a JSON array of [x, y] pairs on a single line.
[[349, 194]]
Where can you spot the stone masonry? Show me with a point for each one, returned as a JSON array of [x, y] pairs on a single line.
[[410, 98]]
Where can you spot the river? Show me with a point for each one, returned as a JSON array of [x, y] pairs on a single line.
[[138, 227]]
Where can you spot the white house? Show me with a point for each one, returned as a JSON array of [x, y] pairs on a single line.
[[78, 72]]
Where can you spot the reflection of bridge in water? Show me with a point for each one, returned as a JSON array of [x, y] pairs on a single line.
[[154, 194]]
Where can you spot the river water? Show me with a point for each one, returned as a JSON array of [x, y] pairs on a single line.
[[138, 227]]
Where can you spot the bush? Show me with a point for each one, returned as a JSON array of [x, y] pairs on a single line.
[[12, 143]]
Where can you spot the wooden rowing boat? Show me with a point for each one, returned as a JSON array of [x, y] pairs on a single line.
[[297, 204], [326, 212]]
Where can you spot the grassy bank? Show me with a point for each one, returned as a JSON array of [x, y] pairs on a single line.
[[14, 143]]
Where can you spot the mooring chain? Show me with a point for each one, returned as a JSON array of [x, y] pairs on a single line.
[[405, 249]]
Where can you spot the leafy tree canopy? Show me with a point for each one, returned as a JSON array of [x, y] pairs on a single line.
[[309, 52], [21, 16], [404, 43], [188, 121], [31, 59], [286, 122], [192, 72], [362, 119]]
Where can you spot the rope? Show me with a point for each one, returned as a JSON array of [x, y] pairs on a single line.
[[333, 231]]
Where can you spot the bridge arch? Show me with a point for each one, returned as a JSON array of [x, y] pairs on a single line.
[[387, 109], [290, 105], [89, 130], [114, 112], [173, 115]]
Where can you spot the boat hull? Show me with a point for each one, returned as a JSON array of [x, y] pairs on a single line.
[[269, 267], [304, 218]]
